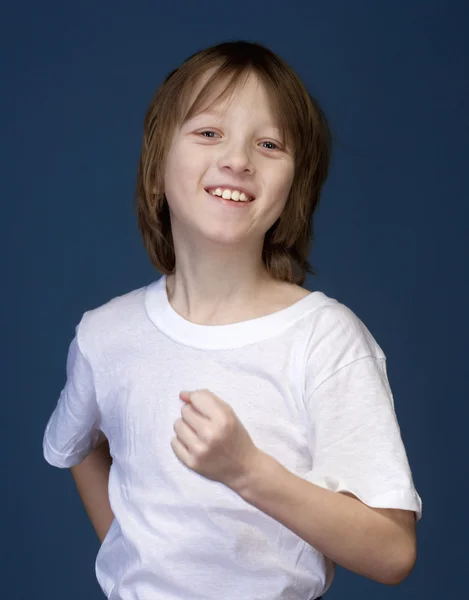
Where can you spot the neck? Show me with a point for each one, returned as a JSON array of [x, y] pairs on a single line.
[[208, 295]]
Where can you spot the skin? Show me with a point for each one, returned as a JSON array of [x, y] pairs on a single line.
[[378, 543], [220, 279], [218, 248]]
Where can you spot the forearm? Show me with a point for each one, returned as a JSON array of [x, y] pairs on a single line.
[[340, 527], [91, 478]]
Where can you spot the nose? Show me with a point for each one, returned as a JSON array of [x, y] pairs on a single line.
[[236, 157]]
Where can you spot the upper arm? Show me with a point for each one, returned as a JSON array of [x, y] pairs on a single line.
[[73, 428]]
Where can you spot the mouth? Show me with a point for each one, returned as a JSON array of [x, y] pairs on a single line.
[[231, 195]]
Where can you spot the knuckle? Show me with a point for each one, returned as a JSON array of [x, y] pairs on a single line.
[[225, 426], [200, 449], [208, 436]]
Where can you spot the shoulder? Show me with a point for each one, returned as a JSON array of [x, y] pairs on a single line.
[[119, 315], [336, 337], [336, 323]]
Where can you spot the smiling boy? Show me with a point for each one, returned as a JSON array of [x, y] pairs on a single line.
[[283, 455], [230, 149]]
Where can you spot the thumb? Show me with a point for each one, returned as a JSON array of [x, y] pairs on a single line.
[[185, 395]]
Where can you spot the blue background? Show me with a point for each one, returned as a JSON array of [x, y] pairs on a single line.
[[391, 234]]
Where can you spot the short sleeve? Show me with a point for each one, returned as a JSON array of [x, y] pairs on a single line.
[[73, 428], [356, 443]]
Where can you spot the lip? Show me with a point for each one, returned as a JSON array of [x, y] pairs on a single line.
[[229, 203], [229, 186]]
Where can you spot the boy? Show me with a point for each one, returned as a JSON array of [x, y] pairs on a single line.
[[250, 422]]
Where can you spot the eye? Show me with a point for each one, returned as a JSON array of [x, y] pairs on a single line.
[[271, 145], [208, 133]]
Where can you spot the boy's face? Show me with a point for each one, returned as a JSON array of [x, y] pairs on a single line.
[[235, 144]]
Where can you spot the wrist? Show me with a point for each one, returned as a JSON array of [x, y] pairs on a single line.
[[260, 466]]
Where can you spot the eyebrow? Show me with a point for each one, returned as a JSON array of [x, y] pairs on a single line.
[[211, 112]]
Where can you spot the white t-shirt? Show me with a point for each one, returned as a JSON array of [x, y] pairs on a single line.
[[308, 382]]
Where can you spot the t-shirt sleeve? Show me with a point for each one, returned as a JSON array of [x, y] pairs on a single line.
[[356, 443], [73, 428]]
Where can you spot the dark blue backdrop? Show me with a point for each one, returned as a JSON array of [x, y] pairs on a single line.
[[391, 233]]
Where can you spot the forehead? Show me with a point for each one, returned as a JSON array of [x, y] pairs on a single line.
[[215, 96]]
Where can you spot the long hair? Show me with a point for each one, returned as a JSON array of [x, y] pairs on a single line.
[[288, 241]]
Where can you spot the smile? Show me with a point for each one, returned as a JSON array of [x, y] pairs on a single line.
[[230, 194]]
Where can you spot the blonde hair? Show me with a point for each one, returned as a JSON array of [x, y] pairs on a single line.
[[301, 120]]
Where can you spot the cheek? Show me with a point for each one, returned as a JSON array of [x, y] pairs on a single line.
[[182, 170], [175, 176], [281, 180]]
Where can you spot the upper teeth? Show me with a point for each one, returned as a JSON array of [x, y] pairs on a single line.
[[228, 194]]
